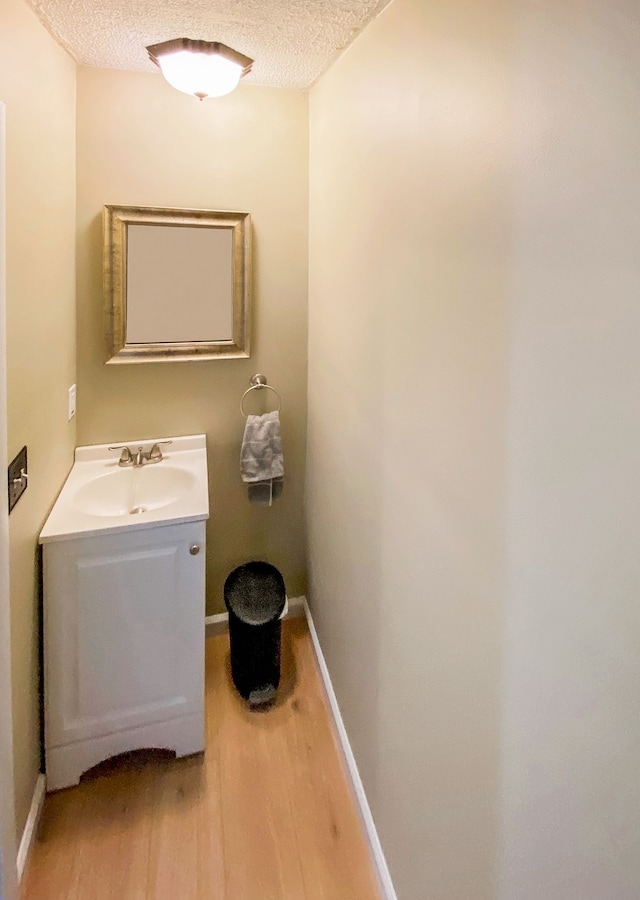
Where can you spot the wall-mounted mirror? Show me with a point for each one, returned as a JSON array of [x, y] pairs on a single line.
[[177, 284]]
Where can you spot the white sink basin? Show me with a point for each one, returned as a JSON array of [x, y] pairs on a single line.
[[133, 491], [100, 496]]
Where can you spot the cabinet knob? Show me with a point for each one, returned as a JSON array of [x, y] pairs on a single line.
[[194, 549]]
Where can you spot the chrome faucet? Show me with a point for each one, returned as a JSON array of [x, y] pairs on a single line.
[[141, 457]]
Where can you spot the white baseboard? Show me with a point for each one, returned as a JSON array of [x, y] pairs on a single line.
[[219, 623], [382, 870], [297, 608], [31, 828]]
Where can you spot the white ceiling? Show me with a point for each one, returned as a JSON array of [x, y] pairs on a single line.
[[291, 41]]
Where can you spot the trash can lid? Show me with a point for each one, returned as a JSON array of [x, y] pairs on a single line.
[[255, 592]]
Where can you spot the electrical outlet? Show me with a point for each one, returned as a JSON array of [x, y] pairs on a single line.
[[72, 401]]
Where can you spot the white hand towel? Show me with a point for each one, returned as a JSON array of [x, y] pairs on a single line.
[[261, 458]]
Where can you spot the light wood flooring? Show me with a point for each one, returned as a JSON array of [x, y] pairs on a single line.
[[265, 814]]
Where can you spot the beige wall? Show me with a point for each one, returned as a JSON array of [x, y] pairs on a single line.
[[142, 143], [8, 844], [474, 436], [37, 83], [409, 224], [571, 753]]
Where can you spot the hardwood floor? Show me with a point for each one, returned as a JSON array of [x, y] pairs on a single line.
[[265, 814]]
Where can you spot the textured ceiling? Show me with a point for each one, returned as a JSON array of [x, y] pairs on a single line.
[[291, 41]]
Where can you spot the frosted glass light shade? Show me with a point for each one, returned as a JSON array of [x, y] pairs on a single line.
[[201, 68], [203, 76]]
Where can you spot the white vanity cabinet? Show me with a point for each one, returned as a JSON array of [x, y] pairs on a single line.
[[123, 645]]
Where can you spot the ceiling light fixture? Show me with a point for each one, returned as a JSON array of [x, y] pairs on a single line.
[[201, 68]]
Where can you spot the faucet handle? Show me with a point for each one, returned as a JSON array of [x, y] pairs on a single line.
[[155, 453], [126, 459]]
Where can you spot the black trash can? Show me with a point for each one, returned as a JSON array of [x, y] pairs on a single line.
[[255, 596]]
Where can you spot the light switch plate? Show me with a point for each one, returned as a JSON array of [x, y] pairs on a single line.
[[18, 477], [72, 401]]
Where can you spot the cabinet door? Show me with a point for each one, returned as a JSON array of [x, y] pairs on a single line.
[[124, 630]]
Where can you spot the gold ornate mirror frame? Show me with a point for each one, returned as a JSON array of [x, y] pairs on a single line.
[[116, 221]]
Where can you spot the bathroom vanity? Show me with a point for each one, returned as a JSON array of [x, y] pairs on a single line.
[[124, 606]]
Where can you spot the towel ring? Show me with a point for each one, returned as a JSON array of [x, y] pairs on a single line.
[[258, 382]]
